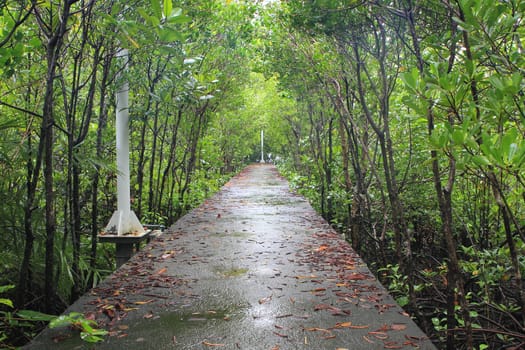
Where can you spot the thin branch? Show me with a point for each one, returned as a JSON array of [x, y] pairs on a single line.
[[23, 110]]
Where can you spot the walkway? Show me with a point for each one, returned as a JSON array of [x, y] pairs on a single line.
[[254, 267]]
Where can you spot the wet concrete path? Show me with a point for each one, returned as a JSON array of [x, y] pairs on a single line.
[[254, 267]]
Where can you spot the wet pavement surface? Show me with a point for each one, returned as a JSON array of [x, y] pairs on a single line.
[[254, 267]]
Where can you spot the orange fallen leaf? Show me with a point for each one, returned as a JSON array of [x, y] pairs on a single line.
[[162, 271], [321, 248], [343, 324], [143, 302], [315, 329]]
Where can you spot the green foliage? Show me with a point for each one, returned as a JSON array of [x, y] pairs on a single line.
[[397, 283], [26, 319], [88, 328]]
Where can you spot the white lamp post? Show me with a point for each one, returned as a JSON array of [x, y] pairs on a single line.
[[262, 146], [124, 228]]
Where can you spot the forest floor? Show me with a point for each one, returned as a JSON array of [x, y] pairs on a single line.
[[254, 267]]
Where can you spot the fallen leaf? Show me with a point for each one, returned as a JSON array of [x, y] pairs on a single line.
[[162, 271], [143, 302], [315, 329], [343, 325], [322, 307], [357, 276], [109, 313], [212, 344], [167, 254], [265, 300], [368, 339], [379, 335], [322, 247], [329, 337], [280, 335], [359, 326], [398, 327]]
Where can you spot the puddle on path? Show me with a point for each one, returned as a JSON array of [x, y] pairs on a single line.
[[230, 271]]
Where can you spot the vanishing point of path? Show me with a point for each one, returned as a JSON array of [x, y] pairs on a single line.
[[254, 267]]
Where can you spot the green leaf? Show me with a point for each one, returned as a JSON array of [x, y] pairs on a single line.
[[507, 141], [481, 160], [168, 7], [65, 320], [169, 35], [458, 136], [145, 15], [60, 321], [4, 289], [497, 83], [7, 302], [179, 19], [31, 315], [90, 338], [176, 12], [155, 5], [402, 301], [410, 79]]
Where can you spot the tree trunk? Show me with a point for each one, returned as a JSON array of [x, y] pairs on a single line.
[[53, 51], [102, 122]]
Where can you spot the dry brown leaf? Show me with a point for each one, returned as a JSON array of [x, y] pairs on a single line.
[[343, 325], [379, 335], [265, 299], [280, 335], [212, 344], [359, 326], [357, 276], [398, 327]]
